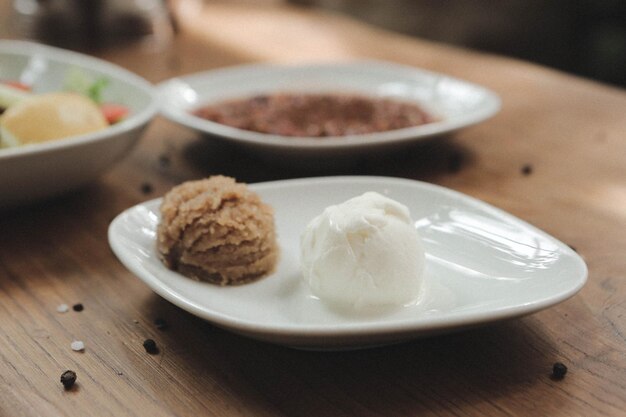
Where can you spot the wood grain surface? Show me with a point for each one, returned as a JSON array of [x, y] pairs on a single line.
[[570, 131]]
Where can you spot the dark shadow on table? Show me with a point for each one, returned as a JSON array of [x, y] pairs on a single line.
[[473, 367], [424, 160]]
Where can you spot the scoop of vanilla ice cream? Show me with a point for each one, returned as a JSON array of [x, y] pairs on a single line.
[[363, 252]]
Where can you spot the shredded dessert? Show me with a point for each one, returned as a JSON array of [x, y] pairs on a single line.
[[217, 230]]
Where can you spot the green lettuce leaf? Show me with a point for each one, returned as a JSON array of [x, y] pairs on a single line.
[[79, 82]]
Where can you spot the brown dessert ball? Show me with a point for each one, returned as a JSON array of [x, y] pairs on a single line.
[[217, 230]]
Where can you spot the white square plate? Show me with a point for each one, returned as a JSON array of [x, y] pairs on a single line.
[[482, 265]]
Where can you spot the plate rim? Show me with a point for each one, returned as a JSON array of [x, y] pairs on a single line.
[[459, 320]]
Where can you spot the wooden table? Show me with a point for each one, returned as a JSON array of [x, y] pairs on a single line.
[[570, 131]]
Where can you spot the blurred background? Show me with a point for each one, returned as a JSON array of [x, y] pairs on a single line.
[[584, 37]]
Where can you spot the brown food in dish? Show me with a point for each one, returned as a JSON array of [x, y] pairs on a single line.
[[315, 115], [217, 230]]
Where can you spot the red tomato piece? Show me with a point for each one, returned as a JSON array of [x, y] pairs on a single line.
[[113, 113], [18, 85]]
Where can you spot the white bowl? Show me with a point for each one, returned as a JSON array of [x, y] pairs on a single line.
[[457, 103], [32, 172]]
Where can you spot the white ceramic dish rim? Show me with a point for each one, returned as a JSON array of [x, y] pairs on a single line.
[[460, 319], [399, 135], [69, 57]]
